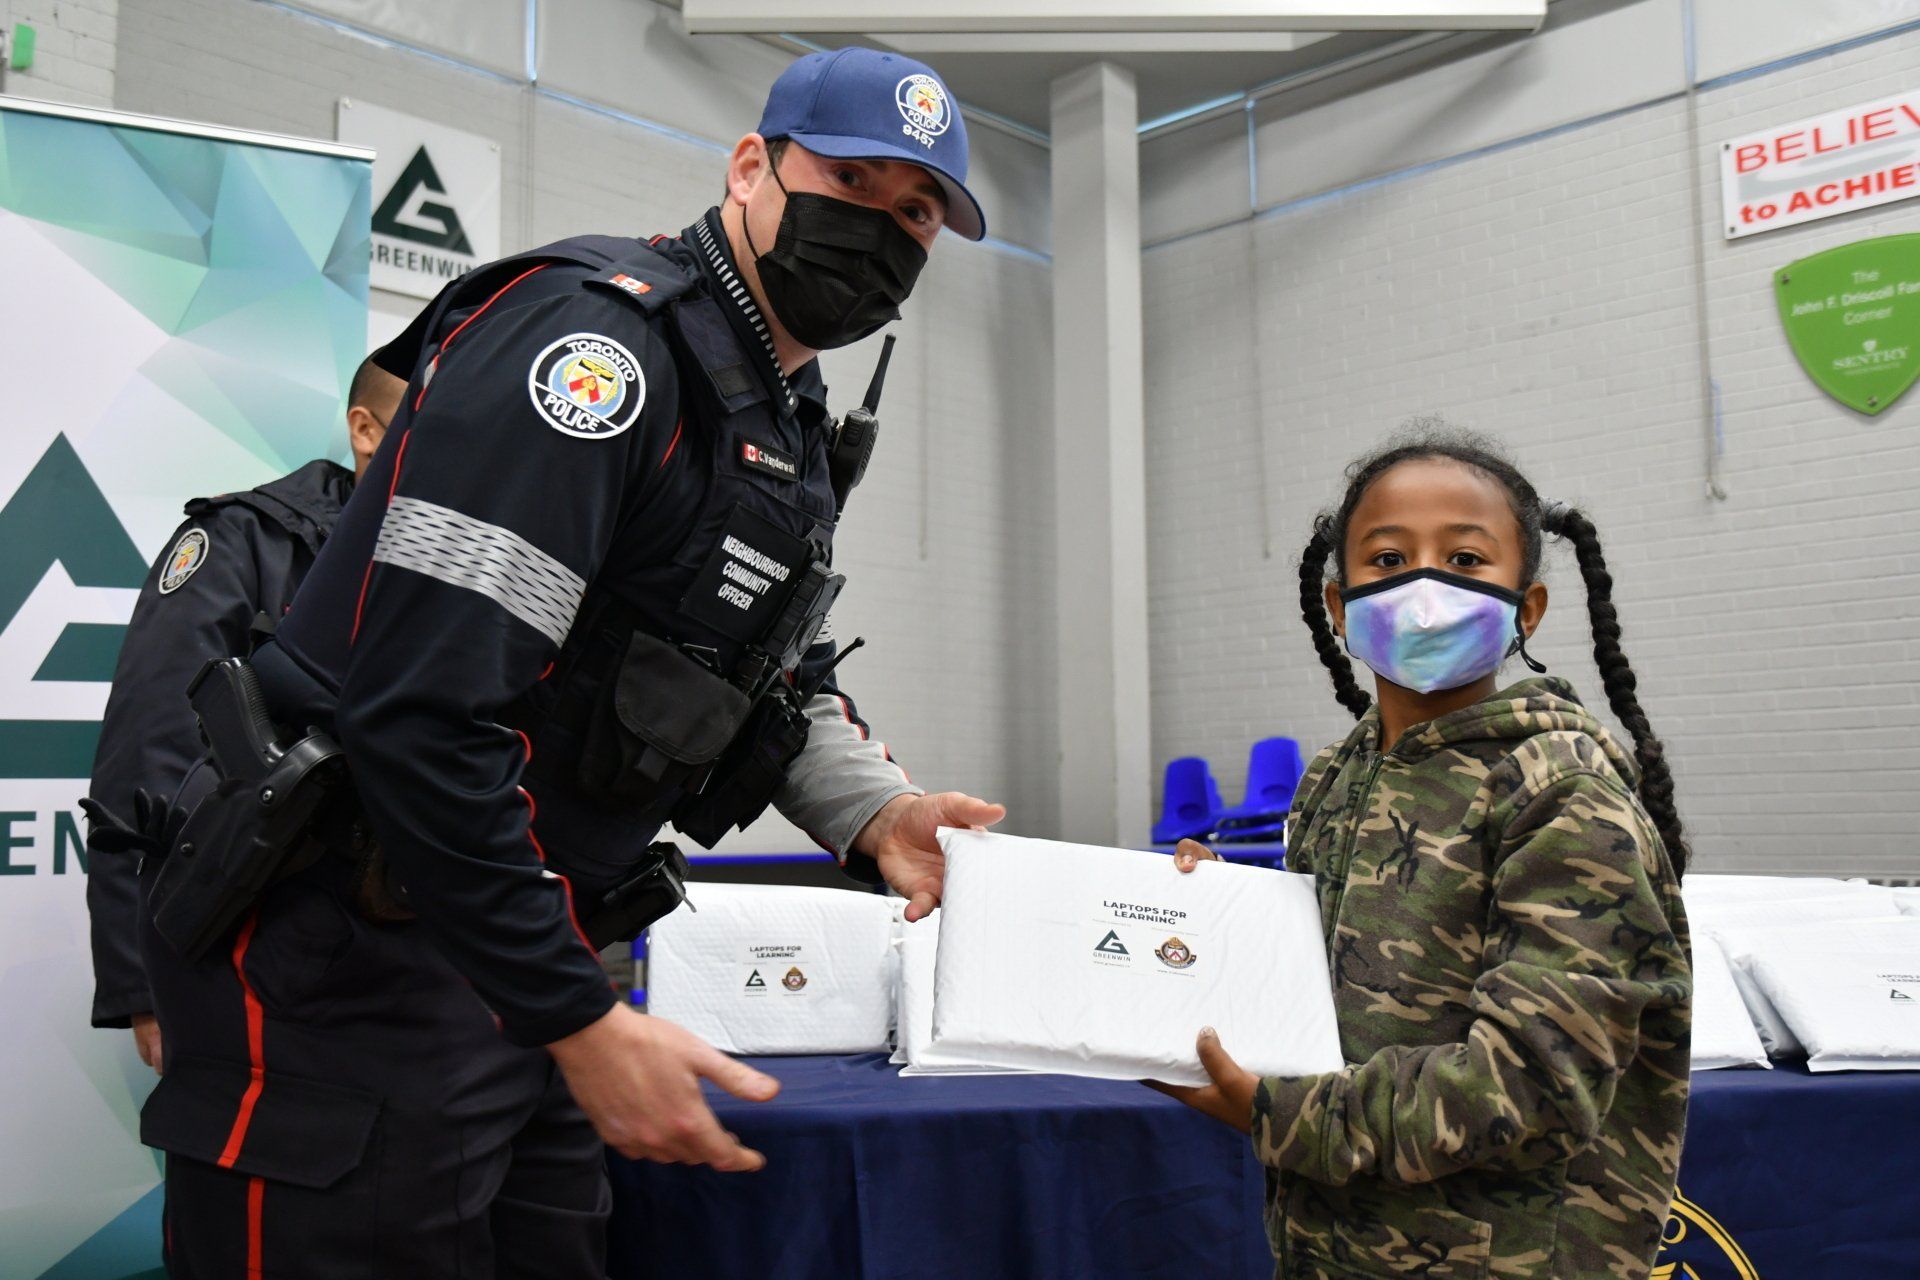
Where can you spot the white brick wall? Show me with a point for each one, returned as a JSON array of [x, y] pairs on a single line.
[[74, 51], [1544, 293], [957, 672]]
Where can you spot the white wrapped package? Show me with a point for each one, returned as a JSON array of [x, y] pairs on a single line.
[[919, 951], [776, 968], [1851, 992], [1108, 962], [1711, 890], [1746, 928], [1723, 1031]]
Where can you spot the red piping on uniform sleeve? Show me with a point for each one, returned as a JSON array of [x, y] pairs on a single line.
[[419, 398], [837, 855], [566, 885], [672, 444], [846, 713], [861, 729], [366, 579], [256, 1046]]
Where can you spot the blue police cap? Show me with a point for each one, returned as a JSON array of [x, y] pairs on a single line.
[[861, 104]]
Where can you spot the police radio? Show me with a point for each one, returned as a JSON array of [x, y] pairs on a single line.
[[859, 430]]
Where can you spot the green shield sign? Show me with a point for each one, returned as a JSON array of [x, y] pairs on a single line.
[[1852, 316]]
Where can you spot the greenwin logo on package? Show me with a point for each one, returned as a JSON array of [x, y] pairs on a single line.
[[1852, 316]]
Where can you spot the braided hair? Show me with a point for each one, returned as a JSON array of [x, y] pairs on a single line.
[[1433, 439]]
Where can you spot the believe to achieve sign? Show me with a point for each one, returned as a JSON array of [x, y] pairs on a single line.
[[1852, 316], [1844, 160]]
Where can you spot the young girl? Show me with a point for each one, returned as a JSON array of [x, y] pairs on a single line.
[[1499, 886]]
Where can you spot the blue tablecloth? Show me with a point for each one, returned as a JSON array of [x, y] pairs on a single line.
[[1785, 1176]]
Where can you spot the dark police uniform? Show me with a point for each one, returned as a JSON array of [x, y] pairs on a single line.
[[597, 444], [238, 555]]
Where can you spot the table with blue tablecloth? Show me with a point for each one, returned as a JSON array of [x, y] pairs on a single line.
[[1785, 1176]]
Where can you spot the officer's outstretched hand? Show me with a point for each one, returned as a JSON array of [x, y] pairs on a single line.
[[638, 1080], [901, 841]]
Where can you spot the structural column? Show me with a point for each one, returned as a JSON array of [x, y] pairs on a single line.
[[1099, 460]]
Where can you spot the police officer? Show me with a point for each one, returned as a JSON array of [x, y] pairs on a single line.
[[581, 594], [239, 557]]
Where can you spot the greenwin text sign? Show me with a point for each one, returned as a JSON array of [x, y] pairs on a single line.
[[1852, 316]]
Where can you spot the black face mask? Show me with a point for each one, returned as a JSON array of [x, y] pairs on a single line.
[[837, 271]]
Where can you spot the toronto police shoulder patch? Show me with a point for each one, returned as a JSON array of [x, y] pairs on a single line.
[[187, 555], [587, 385]]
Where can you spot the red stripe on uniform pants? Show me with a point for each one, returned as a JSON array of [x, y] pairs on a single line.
[[256, 1084], [256, 1045], [256, 1202]]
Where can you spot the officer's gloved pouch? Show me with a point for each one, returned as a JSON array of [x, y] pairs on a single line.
[[669, 718]]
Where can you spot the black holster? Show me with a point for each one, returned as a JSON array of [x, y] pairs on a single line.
[[657, 887], [257, 825]]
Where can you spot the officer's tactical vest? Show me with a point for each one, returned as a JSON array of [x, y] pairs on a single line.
[[675, 701]]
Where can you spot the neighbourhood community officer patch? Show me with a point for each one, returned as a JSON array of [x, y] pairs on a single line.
[[187, 555], [587, 385]]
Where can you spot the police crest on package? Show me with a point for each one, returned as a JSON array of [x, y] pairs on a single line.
[[1174, 954]]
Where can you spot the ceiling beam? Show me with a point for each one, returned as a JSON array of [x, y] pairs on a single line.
[[1107, 42], [1025, 17]]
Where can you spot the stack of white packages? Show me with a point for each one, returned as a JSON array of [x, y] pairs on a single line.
[[1108, 962], [776, 968], [1747, 922], [1850, 991], [1723, 1031], [919, 944], [1708, 891]]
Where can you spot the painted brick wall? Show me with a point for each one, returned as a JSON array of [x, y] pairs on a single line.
[[945, 545], [1545, 293], [74, 50]]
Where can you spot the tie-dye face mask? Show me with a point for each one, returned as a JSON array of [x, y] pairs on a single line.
[[1429, 629]]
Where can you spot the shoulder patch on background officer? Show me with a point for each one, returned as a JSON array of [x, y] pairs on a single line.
[[766, 458], [628, 283], [587, 385], [187, 555]]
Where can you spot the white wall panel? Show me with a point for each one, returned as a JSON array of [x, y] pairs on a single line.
[[1571, 72], [1193, 177], [488, 33], [1735, 35]]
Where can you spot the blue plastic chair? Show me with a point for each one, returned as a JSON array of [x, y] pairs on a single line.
[[1274, 767], [1190, 799]]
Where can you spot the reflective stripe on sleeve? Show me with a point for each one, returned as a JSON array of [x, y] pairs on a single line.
[[498, 563]]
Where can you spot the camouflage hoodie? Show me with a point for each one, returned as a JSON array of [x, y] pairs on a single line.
[[1510, 971]]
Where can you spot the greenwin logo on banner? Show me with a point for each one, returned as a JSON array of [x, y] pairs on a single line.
[[1852, 316]]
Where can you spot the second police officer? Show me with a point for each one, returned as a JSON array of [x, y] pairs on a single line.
[[580, 592]]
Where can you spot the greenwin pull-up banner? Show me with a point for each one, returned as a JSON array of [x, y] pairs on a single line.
[[181, 309], [1853, 318]]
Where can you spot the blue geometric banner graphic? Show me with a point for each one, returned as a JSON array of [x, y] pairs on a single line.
[[181, 316]]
